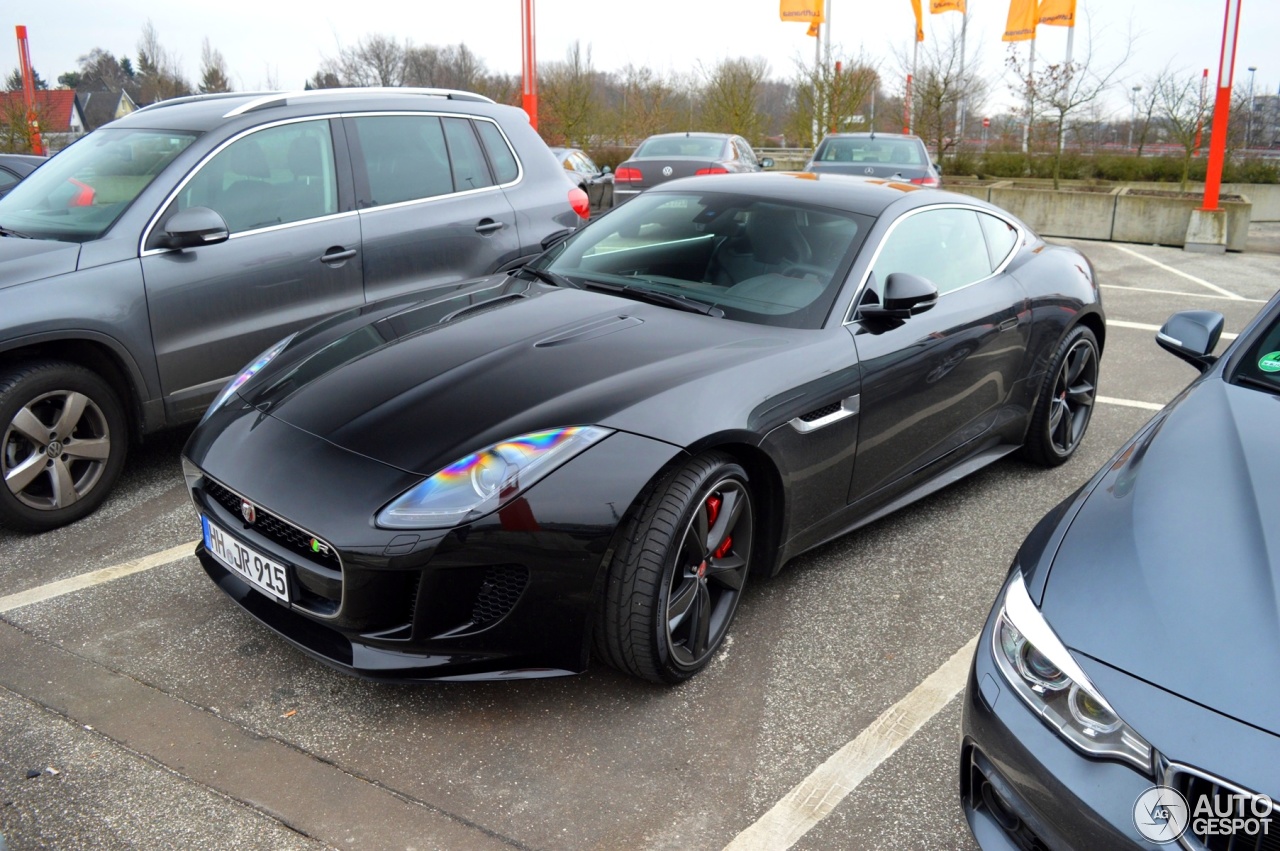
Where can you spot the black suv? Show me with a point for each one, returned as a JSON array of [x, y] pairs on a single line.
[[146, 264]]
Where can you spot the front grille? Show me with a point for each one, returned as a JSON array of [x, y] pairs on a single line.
[[499, 592], [275, 529], [1217, 797]]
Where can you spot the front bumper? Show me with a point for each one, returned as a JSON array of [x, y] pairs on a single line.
[[508, 596]]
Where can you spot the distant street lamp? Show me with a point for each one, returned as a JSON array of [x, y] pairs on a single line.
[[1248, 124], [1133, 117]]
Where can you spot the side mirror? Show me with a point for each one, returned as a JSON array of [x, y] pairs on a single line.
[[606, 170], [767, 162], [193, 227], [1192, 336], [904, 296]]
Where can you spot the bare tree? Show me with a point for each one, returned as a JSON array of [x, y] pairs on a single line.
[[1181, 113], [645, 103], [569, 110], [159, 71], [15, 132], [1143, 101], [828, 100], [101, 71], [376, 60], [939, 87], [213, 70], [731, 97]]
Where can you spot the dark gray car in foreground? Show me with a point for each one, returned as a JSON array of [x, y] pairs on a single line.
[[1124, 690], [143, 266]]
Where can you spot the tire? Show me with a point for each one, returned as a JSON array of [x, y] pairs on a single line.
[[675, 578], [1065, 403], [63, 406]]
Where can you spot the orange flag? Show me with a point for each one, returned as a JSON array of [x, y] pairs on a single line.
[[815, 29], [1022, 21], [937, 7], [805, 11], [1058, 13], [915, 6]]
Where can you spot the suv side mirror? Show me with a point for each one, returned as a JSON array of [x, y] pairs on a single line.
[[905, 295], [195, 226], [1192, 335], [606, 170], [767, 162]]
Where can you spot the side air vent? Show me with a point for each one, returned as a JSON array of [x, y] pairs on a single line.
[[483, 307]]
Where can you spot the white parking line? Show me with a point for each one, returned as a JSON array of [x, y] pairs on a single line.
[[95, 577], [1201, 281], [1143, 326], [1129, 403], [823, 790], [1182, 294]]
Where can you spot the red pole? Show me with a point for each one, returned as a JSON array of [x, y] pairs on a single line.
[[906, 108], [529, 95], [29, 92], [1204, 96], [1222, 106]]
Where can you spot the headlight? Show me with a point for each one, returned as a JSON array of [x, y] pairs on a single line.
[[1047, 677], [486, 480], [248, 372]]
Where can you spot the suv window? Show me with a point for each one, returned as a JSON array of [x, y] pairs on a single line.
[[81, 192], [946, 246], [470, 171], [405, 157], [271, 177], [505, 167]]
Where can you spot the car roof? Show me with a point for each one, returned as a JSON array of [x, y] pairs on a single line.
[[867, 196], [201, 113], [693, 133], [888, 136]]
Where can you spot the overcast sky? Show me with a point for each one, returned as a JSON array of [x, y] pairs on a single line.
[[285, 42]]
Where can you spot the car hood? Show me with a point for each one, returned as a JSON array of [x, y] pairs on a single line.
[[431, 383], [25, 260], [1171, 569]]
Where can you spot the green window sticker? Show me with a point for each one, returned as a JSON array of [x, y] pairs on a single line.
[[1270, 362]]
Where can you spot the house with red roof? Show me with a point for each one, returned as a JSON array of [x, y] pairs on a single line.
[[59, 112]]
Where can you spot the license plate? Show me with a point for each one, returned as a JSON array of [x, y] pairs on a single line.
[[268, 576]]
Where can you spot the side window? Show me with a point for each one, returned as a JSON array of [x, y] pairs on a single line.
[[1002, 237], [7, 179], [946, 246], [274, 176], [745, 152], [505, 167], [404, 156], [470, 171]]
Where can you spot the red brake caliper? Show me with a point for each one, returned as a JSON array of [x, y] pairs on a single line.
[[713, 511]]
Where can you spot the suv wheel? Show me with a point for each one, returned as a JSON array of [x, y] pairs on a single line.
[[63, 438]]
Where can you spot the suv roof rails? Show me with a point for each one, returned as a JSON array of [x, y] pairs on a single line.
[[273, 99], [197, 99]]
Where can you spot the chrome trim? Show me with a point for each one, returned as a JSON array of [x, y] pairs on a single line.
[[1168, 777], [849, 407], [151, 252], [293, 558], [1160, 335], [286, 97], [1004, 264]]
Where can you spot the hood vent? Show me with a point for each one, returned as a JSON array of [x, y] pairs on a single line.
[[591, 330], [483, 307]]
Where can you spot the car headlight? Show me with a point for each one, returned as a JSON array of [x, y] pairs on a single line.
[[486, 480], [1049, 680], [254, 367]]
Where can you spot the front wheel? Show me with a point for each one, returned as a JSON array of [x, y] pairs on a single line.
[[1065, 403], [675, 579], [63, 438]]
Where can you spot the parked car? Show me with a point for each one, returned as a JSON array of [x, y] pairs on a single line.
[[143, 265], [670, 155], [14, 167], [597, 182], [1123, 690], [706, 382], [876, 155]]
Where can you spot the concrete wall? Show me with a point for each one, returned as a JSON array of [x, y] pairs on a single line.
[[1164, 221], [1084, 215]]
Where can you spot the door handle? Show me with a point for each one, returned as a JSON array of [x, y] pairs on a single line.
[[1009, 324], [337, 255], [488, 226]]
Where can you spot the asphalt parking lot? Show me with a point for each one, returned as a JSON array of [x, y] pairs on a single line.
[[140, 708]]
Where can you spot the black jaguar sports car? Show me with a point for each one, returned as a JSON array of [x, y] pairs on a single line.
[[594, 453]]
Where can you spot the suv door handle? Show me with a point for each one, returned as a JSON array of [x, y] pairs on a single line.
[[488, 226], [337, 254]]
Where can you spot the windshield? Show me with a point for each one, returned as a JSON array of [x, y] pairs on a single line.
[[662, 147], [765, 261], [78, 194], [1260, 366]]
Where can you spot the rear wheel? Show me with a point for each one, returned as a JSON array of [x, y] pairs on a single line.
[[63, 439], [1065, 404], [674, 581]]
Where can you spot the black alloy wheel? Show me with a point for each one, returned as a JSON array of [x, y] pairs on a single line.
[[63, 438], [677, 575], [1066, 402]]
